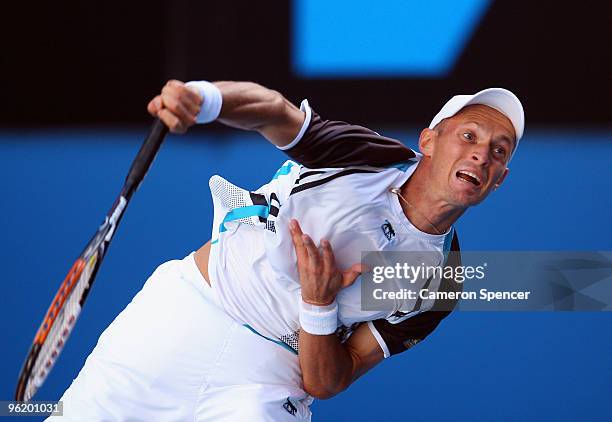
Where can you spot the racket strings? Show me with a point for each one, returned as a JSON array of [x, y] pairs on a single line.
[[60, 320]]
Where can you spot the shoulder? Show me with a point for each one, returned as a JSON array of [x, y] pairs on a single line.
[[334, 143]]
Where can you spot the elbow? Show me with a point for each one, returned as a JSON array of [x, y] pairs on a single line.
[[320, 393], [323, 391]]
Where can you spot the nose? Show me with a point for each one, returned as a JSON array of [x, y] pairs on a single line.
[[480, 154]]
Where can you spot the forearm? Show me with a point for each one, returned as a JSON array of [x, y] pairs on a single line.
[[243, 105], [327, 365], [247, 105], [250, 106]]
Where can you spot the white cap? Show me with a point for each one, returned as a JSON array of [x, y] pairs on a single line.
[[500, 99]]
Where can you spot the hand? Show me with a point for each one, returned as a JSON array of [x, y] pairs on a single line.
[[320, 279], [177, 106]]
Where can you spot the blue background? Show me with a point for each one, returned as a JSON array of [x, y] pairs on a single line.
[[361, 38], [56, 186]]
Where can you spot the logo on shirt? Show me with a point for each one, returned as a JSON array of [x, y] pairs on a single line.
[[289, 407], [388, 230]]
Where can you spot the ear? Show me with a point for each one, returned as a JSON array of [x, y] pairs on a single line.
[[426, 141], [502, 178]]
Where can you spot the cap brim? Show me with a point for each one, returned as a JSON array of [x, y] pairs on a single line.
[[506, 103], [500, 99]]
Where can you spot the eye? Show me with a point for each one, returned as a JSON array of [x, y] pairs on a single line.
[[500, 151], [468, 136]]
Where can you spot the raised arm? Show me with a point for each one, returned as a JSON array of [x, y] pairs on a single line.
[[245, 105], [301, 133]]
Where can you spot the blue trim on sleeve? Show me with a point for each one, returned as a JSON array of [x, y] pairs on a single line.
[[284, 170]]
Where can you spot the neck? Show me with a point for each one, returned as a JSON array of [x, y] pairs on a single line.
[[425, 211]]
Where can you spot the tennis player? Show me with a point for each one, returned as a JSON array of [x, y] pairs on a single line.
[[267, 315]]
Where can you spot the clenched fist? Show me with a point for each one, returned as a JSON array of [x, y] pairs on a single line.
[[177, 106]]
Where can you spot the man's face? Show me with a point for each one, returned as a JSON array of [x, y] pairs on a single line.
[[469, 153]]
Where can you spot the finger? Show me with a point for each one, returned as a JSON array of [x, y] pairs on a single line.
[[294, 226], [157, 101], [151, 109], [192, 106], [174, 124], [155, 105], [349, 276], [192, 93], [313, 252], [188, 99], [189, 95], [298, 244], [175, 83], [172, 102], [329, 261]]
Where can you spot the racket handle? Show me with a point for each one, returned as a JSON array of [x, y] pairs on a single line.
[[145, 157]]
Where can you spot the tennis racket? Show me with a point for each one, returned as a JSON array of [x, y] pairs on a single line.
[[70, 298]]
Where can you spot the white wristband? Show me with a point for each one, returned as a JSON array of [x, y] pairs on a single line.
[[319, 320], [211, 100]]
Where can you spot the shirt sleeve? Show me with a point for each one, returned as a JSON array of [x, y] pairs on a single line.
[[329, 143], [397, 338]]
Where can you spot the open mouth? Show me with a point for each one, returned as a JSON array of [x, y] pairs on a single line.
[[468, 177]]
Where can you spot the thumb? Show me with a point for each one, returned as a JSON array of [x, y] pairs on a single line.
[[196, 91], [349, 276]]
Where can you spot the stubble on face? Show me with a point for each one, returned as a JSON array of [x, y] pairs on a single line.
[[470, 154]]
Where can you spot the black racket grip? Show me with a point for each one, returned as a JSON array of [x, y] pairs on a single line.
[[145, 157]]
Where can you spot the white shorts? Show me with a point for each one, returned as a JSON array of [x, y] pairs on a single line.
[[174, 355]]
